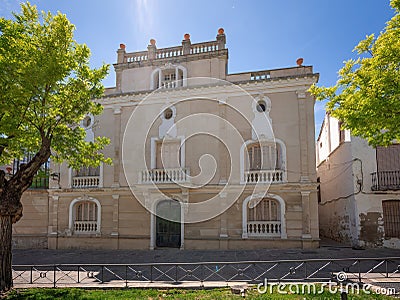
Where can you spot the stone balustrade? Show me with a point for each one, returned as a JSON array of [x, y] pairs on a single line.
[[171, 84], [136, 56], [261, 75], [85, 226], [164, 175], [86, 182], [264, 228], [170, 52], [265, 176], [204, 47]]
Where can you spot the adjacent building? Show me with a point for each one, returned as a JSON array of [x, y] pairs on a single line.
[[359, 201], [184, 131]]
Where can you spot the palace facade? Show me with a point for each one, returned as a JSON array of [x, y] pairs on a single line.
[[202, 159]]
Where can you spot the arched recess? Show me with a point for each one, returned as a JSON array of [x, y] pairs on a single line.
[[282, 158], [158, 80], [84, 226], [282, 210]]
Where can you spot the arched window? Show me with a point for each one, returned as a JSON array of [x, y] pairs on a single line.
[[85, 215], [265, 210], [168, 76], [263, 161], [264, 156], [264, 216]]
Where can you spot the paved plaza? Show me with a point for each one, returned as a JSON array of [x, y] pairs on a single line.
[[327, 250]]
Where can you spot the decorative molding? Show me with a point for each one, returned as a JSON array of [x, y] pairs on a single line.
[[259, 197], [71, 211], [301, 94], [117, 110]]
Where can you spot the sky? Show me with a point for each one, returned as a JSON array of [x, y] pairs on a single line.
[[261, 35]]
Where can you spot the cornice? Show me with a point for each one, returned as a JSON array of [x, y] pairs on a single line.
[[268, 86]]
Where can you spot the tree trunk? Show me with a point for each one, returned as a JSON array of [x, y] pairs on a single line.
[[5, 253]]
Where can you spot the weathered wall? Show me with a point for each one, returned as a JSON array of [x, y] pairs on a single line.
[[31, 230]]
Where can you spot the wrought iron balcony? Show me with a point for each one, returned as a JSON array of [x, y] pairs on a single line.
[[385, 180]]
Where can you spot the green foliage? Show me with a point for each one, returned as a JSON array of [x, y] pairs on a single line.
[[46, 89], [132, 293], [366, 97]]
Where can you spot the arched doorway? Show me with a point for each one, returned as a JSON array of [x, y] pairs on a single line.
[[168, 224]]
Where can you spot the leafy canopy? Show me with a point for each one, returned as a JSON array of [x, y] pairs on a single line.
[[46, 89], [366, 97]]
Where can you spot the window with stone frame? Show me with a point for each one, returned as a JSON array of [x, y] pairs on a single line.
[[87, 171], [264, 219], [86, 217], [391, 218]]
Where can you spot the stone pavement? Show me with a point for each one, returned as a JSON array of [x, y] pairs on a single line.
[[78, 256]]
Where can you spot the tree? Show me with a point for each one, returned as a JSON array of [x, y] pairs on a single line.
[[46, 89], [366, 97]]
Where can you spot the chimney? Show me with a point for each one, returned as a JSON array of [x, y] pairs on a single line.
[[221, 39], [121, 54], [186, 44], [152, 49]]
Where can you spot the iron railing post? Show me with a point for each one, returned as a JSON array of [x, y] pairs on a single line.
[[359, 270], [386, 268], [54, 276], [176, 273], [126, 275], [102, 274], [305, 270], [31, 279], [202, 275], [151, 273], [79, 267]]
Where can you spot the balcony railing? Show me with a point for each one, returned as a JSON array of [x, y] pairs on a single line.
[[171, 84], [264, 228], [85, 182], [40, 182], [85, 226], [264, 176], [385, 180], [164, 175]]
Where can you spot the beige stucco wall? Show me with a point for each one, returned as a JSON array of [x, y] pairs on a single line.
[[31, 230], [126, 224]]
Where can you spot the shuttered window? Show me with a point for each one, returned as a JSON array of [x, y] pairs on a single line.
[[388, 158], [269, 159], [86, 211], [391, 218], [266, 210]]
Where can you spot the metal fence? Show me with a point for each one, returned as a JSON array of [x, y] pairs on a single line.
[[129, 275]]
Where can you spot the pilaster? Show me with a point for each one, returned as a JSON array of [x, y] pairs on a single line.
[[117, 144], [52, 230], [303, 130], [306, 218]]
